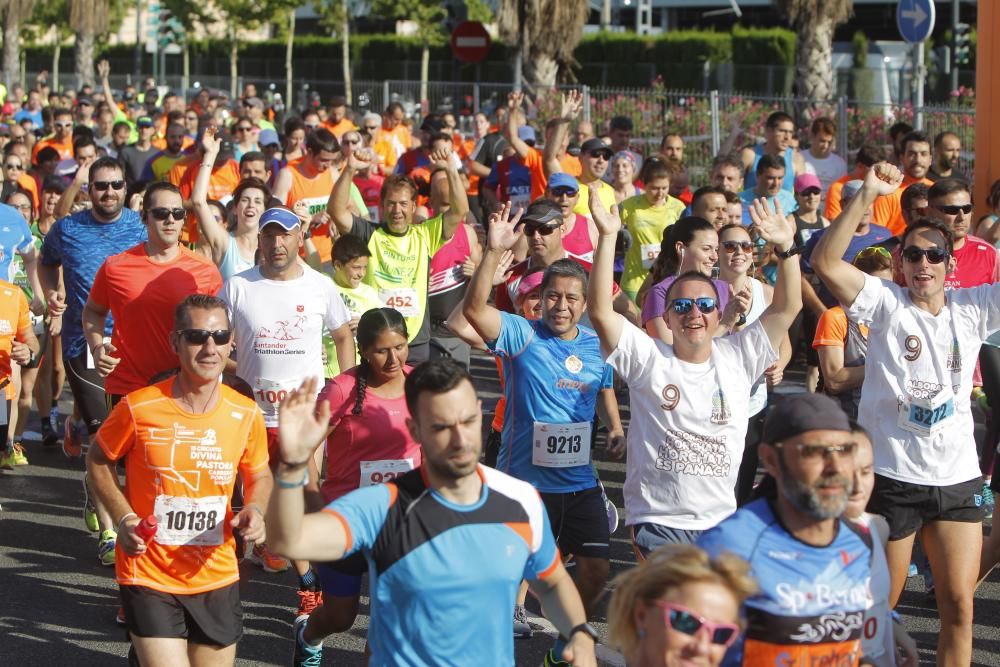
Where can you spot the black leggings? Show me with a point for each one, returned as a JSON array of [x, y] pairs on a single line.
[[87, 386], [989, 365], [748, 466]]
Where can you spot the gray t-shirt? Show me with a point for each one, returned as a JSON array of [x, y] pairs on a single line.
[[135, 160]]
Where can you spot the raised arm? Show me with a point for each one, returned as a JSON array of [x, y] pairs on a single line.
[[290, 531], [458, 202], [572, 102], [503, 234], [65, 204], [842, 278], [607, 323], [786, 302], [216, 236], [339, 204], [513, 108]]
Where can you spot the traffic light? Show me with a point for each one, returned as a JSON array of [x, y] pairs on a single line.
[[168, 29], [960, 48]]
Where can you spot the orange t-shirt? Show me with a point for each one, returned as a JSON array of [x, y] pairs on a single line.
[[28, 182], [832, 209], [14, 317], [177, 171], [315, 192], [390, 144], [142, 296], [536, 165], [888, 210], [338, 129], [570, 164], [182, 467], [831, 329], [65, 148], [221, 185]]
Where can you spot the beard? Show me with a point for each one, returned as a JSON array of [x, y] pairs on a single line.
[[807, 499]]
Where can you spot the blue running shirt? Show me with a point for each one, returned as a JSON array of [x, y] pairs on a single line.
[[547, 381], [15, 237], [812, 600], [81, 244], [443, 577]]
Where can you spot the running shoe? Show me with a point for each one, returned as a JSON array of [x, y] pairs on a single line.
[[8, 460], [305, 655], [17, 452], [522, 630], [268, 561], [89, 513], [106, 547], [73, 438], [49, 437], [120, 616], [551, 660], [308, 601]]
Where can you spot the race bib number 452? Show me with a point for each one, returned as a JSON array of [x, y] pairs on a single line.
[[402, 299]]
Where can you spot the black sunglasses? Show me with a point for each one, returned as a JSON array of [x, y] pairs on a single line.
[[104, 185], [955, 209], [162, 213], [563, 191], [544, 230], [601, 153], [913, 254], [809, 191], [201, 336], [706, 304]]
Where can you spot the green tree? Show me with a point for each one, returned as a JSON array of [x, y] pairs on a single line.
[[49, 14], [428, 16], [90, 20], [235, 14], [545, 34], [14, 12], [335, 16], [814, 22], [189, 14]]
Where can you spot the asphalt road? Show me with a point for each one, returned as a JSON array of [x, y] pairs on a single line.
[[57, 604]]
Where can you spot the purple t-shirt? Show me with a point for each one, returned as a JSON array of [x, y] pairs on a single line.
[[656, 300]]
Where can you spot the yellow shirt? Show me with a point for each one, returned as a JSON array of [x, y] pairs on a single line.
[[606, 194], [646, 224]]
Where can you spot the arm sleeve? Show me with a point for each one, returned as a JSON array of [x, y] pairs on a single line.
[[831, 329], [362, 514], [117, 434], [255, 456], [515, 333], [635, 354]]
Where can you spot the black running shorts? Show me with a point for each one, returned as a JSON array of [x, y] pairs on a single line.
[[214, 618], [908, 507], [579, 522]]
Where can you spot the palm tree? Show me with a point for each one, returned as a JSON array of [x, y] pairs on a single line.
[[814, 22], [88, 19], [14, 12], [547, 32]]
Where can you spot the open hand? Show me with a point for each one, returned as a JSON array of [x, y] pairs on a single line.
[[301, 426], [771, 223], [504, 231], [572, 103]]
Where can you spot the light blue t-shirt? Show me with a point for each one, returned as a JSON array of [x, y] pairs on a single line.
[[547, 381], [15, 237]]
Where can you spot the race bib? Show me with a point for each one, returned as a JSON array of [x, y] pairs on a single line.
[[270, 393], [380, 472], [190, 521], [927, 416], [403, 299], [561, 445], [314, 204], [874, 629], [90, 353], [650, 251]]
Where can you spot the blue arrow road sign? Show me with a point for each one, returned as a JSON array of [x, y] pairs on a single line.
[[915, 19]]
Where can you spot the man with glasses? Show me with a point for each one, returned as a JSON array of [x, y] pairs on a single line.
[[595, 156], [79, 244], [370, 124], [690, 398], [950, 201], [278, 311], [254, 108], [579, 236], [779, 131], [183, 441], [62, 137], [812, 567], [15, 170], [135, 156], [922, 347]]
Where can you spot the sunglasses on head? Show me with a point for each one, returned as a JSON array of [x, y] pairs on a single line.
[[873, 250], [684, 620], [201, 336], [733, 246], [913, 254], [162, 213], [955, 209], [544, 230], [706, 304], [104, 185]]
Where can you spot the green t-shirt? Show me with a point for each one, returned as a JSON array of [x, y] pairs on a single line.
[[400, 266], [646, 224], [358, 300]]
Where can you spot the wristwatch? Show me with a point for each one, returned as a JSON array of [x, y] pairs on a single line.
[[587, 629], [785, 254]]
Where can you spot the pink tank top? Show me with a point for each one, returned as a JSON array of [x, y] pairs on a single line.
[[446, 264], [578, 240]]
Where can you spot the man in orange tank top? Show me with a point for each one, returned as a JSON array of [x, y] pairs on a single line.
[[311, 181]]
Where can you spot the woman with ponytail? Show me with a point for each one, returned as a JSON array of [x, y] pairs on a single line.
[[368, 444]]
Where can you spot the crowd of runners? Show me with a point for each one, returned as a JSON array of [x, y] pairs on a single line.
[[266, 325]]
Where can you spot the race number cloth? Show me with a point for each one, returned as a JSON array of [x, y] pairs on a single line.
[[182, 467], [811, 605], [278, 328], [429, 558], [548, 381], [918, 378], [689, 423]]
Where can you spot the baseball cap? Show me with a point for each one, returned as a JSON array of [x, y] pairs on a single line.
[[85, 99], [595, 144], [526, 133], [144, 121], [254, 102], [799, 413], [850, 189], [563, 180], [805, 181], [528, 283], [542, 212], [279, 216], [268, 137]]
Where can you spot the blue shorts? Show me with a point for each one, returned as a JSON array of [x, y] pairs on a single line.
[[342, 578], [647, 537]]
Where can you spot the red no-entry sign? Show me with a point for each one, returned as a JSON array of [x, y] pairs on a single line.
[[470, 42]]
